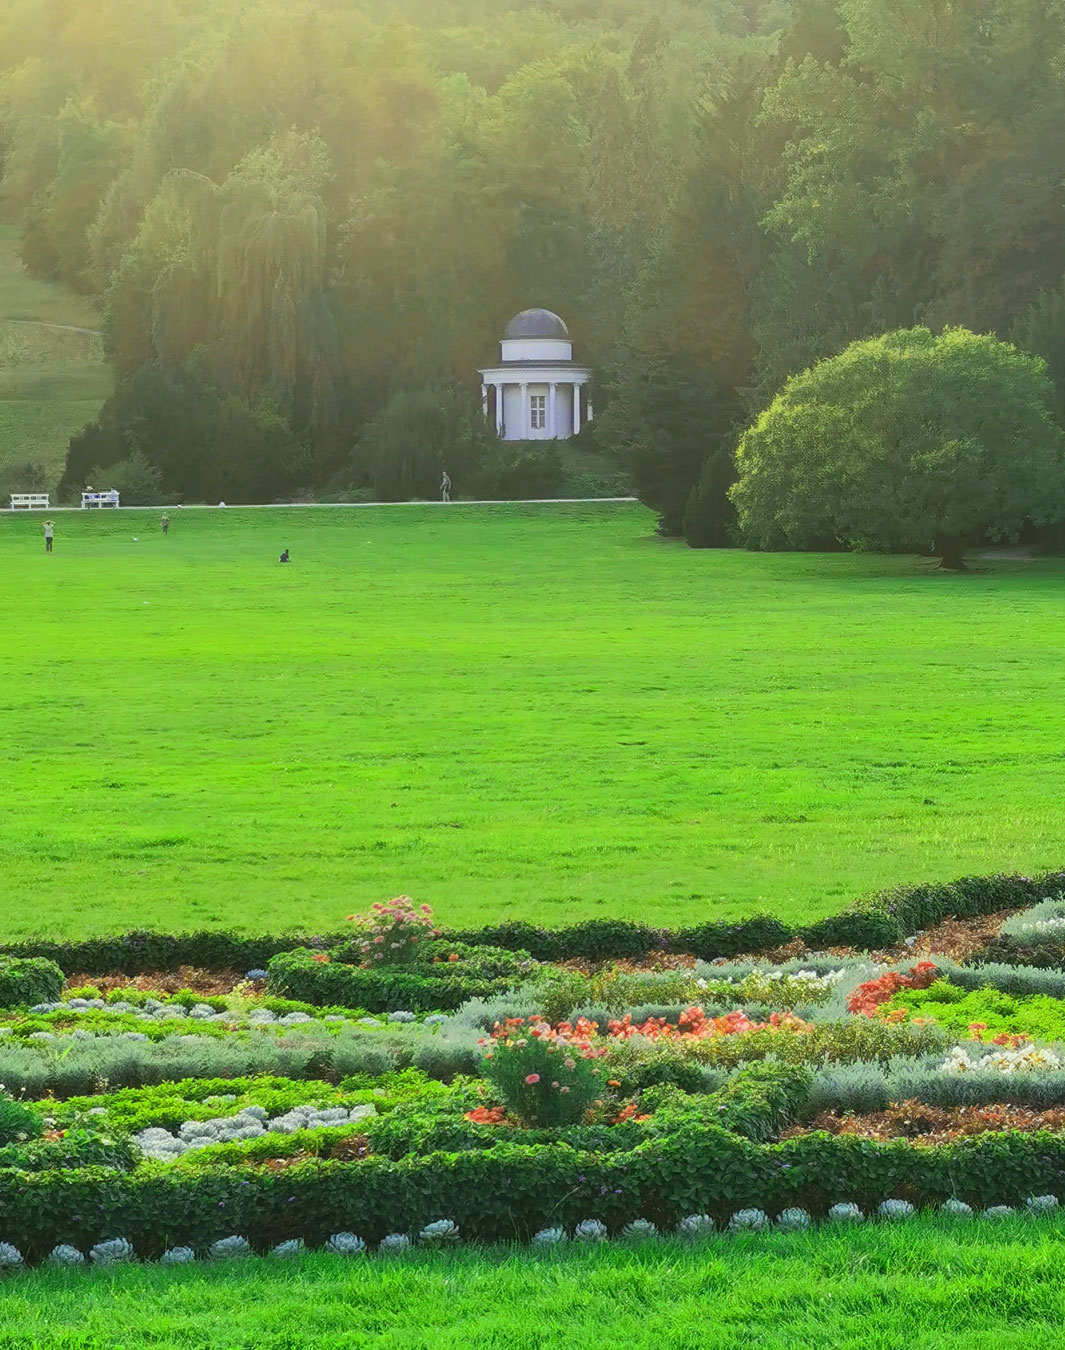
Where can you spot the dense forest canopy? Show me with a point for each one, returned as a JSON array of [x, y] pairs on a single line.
[[294, 213]]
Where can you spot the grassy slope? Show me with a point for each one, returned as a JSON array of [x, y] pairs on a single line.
[[918, 1286], [52, 381], [535, 712]]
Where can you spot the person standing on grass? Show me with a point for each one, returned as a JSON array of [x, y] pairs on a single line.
[[445, 488], [165, 523], [49, 531]]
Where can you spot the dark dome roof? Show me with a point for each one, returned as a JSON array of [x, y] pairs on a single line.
[[536, 323]]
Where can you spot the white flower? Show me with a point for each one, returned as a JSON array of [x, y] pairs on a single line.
[[590, 1230], [1023, 1059]]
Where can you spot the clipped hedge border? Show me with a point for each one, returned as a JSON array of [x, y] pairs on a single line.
[[511, 1191], [880, 920], [325, 984]]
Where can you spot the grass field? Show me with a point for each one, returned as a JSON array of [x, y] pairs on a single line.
[[918, 1286], [537, 712], [53, 378]]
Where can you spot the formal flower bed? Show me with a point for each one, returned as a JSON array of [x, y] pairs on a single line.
[[379, 1094]]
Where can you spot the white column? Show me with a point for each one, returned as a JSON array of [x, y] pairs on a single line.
[[552, 407], [499, 409], [576, 409], [484, 399], [524, 413]]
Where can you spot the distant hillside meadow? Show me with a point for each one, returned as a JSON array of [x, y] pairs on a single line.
[[544, 713]]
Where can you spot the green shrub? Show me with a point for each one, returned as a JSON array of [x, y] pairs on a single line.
[[143, 952], [18, 1121], [711, 941], [78, 1148], [865, 929], [757, 1102], [299, 975], [29, 980], [546, 1080]]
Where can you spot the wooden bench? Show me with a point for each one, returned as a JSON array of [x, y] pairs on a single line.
[[29, 501], [90, 499]]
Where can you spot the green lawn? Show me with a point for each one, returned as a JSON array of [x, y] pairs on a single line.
[[918, 1286], [53, 379], [538, 712]]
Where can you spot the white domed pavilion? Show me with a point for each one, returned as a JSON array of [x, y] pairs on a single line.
[[537, 391]]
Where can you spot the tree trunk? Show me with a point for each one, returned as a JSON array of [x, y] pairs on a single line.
[[950, 554]]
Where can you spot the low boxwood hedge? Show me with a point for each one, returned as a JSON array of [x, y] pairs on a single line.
[[303, 975], [25, 981], [512, 1190], [880, 920]]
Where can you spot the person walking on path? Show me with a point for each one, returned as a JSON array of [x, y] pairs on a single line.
[[49, 531], [445, 488], [165, 523]]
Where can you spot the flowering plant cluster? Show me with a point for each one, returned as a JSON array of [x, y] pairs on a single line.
[[391, 934], [1022, 1057], [774, 986], [693, 1025], [869, 995], [546, 1075]]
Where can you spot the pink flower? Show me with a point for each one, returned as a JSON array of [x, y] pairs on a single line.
[[570, 1063], [532, 1078], [563, 1089], [378, 939]]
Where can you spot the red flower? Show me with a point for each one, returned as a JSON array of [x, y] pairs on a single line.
[[532, 1078]]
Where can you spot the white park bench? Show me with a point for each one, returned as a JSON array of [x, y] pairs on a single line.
[[89, 499], [29, 501]]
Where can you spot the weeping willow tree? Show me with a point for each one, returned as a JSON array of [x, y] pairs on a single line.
[[238, 282]]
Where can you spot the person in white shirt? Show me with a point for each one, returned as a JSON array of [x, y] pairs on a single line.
[[49, 531]]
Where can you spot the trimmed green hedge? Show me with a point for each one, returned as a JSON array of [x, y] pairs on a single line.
[[877, 921], [28, 980], [298, 975], [511, 1190]]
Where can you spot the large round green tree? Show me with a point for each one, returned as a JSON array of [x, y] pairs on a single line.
[[906, 441]]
